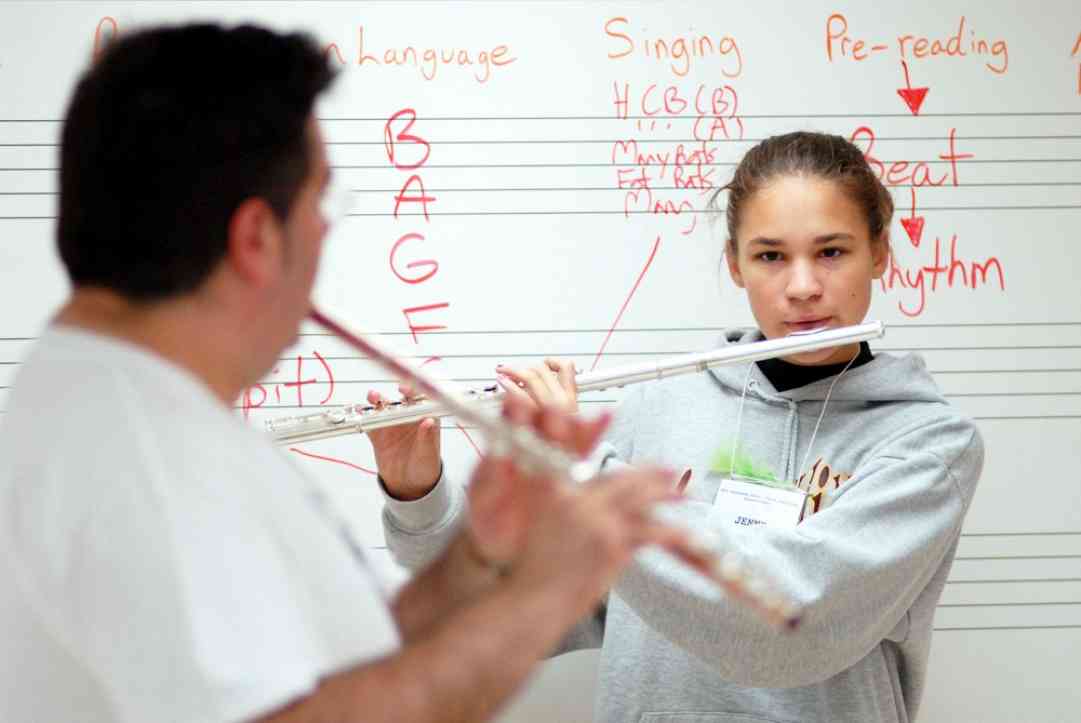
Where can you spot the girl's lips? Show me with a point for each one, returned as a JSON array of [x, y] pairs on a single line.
[[807, 325]]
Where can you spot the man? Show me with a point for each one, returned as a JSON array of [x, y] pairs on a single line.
[[161, 560]]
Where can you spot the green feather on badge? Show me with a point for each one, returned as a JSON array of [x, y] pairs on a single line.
[[740, 465]]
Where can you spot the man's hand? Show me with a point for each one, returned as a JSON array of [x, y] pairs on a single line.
[[503, 501], [540, 528]]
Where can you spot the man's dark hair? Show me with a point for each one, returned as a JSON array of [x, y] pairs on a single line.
[[166, 134]]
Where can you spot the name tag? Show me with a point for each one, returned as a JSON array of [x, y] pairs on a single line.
[[747, 504]]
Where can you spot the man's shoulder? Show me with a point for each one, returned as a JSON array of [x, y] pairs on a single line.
[[94, 424]]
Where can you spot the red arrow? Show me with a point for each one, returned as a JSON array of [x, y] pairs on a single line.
[[913, 97], [913, 224]]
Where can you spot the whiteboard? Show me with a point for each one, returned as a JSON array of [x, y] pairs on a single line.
[[571, 147]]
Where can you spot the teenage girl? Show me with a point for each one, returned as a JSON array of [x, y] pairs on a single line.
[[886, 466]]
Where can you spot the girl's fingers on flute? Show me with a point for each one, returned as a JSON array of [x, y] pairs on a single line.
[[527, 380], [541, 384], [566, 375], [375, 399]]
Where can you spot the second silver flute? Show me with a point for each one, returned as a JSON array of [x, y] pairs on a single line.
[[358, 418]]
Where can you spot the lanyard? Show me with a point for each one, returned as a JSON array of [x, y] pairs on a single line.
[[814, 433]]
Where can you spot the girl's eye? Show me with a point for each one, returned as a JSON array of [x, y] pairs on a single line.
[[770, 256], [832, 253]]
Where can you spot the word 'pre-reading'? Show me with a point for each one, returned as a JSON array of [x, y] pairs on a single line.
[[678, 52], [427, 61], [961, 44]]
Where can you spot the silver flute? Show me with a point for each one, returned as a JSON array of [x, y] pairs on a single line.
[[360, 418], [728, 570]]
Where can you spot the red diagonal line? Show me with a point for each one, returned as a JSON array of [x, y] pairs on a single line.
[[429, 360], [332, 459], [475, 447], [656, 245], [908, 83]]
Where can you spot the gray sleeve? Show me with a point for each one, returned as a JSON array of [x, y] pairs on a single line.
[[617, 445], [858, 566], [587, 634], [418, 531]]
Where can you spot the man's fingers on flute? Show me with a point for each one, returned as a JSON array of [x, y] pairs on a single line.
[[642, 499], [684, 480], [553, 425], [407, 390], [571, 432], [674, 540], [517, 406], [589, 432], [513, 391], [635, 491]]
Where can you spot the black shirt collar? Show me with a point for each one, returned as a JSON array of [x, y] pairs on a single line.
[[784, 375]]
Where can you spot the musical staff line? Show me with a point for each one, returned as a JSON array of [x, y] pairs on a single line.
[[609, 164], [667, 116], [581, 189], [640, 141], [614, 212]]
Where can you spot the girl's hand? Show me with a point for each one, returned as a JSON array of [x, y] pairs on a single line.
[[550, 385]]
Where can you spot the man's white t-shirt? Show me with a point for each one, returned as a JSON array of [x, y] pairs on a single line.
[[159, 560]]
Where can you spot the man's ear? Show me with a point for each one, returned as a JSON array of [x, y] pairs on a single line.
[[880, 255], [730, 255], [254, 247]]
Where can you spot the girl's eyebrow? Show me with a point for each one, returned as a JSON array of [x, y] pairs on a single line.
[[823, 239], [838, 236]]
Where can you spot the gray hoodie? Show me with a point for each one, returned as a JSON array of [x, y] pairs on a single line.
[[891, 474]]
